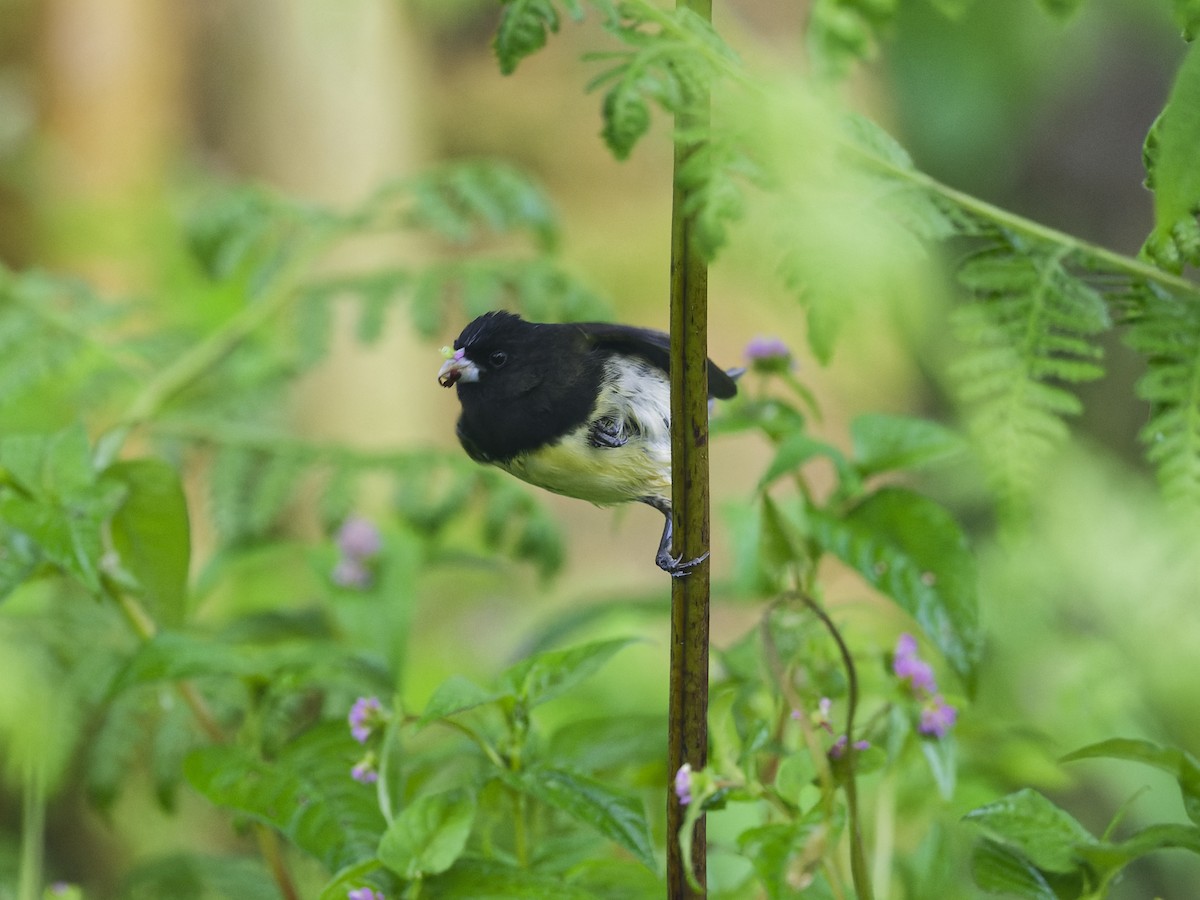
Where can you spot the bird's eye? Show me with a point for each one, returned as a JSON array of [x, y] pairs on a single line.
[[498, 358]]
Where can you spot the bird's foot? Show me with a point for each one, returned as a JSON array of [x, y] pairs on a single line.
[[678, 567]]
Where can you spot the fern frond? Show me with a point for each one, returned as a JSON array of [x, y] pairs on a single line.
[[255, 474], [1168, 335], [672, 61], [524, 26], [60, 339], [462, 202], [538, 287], [1028, 332]]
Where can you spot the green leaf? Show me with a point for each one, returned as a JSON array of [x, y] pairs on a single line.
[[522, 31], [485, 879], [884, 443], [189, 876], [306, 793], [772, 848], [1187, 14], [352, 877], [547, 675], [912, 549], [455, 695], [999, 869], [615, 815], [795, 450], [1180, 764], [1037, 829], [626, 117], [428, 835], [151, 534], [53, 506], [1165, 836], [1174, 173], [1061, 9]]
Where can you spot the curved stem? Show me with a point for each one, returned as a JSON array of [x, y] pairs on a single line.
[[858, 857]]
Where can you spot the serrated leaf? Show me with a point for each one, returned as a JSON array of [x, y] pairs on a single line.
[[1028, 823], [307, 793], [1180, 764], [547, 675], [428, 835], [151, 533], [884, 443], [910, 547], [1176, 176], [455, 695], [998, 869], [615, 815]]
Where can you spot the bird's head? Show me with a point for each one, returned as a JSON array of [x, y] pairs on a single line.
[[494, 351]]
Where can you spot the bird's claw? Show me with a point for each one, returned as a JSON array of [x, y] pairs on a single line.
[[678, 567]]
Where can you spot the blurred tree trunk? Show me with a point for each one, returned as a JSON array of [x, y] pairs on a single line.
[[110, 77], [323, 99]]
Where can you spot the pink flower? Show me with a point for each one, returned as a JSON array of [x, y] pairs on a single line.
[[359, 539], [937, 717], [683, 784], [366, 713], [838, 750], [908, 666]]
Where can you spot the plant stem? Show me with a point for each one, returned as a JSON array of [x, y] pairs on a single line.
[[858, 856], [688, 712], [33, 828], [1117, 262]]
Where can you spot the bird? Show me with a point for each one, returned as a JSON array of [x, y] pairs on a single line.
[[581, 409]]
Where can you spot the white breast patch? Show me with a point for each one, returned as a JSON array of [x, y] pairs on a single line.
[[634, 396]]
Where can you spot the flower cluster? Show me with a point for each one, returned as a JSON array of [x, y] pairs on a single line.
[[358, 544], [366, 715], [937, 716], [769, 356], [823, 718]]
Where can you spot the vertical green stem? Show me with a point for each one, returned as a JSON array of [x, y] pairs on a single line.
[[688, 738], [33, 827]]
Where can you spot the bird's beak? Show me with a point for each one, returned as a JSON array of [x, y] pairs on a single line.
[[457, 368]]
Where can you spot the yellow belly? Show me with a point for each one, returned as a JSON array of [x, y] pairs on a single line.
[[601, 475]]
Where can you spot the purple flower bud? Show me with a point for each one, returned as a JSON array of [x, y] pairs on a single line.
[[351, 573], [364, 771], [365, 894], [937, 717], [908, 666], [364, 715], [838, 750], [769, 355], [358, 539], [683, 784]]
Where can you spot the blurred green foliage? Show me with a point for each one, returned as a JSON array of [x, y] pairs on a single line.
[[143, 657]]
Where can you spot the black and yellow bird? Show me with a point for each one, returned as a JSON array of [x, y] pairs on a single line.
[[581, 409]]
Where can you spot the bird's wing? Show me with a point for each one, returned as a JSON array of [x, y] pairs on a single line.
[[655, 348]]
